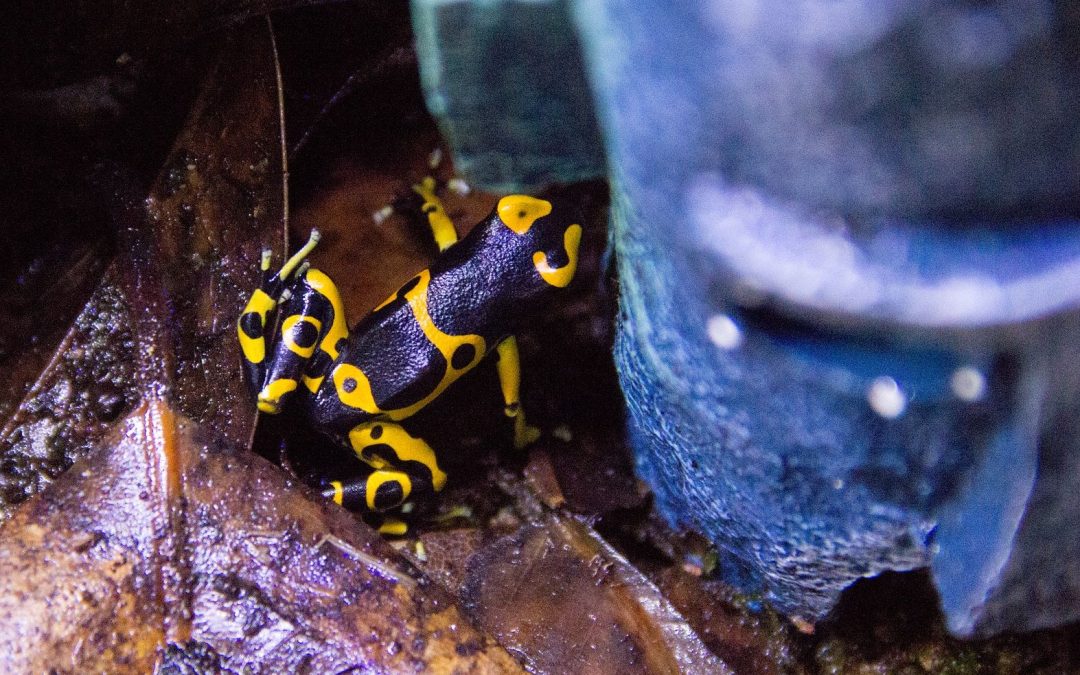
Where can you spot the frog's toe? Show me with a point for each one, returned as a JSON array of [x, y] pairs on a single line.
[[387, 525], [524, 434], [269, 407], [270, 398]]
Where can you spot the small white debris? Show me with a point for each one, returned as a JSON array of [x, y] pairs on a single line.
[[968, 384], [382, 214], [838, 484], [435, 158], [458, 186], [724, 332], [563, 433], [885, 397]]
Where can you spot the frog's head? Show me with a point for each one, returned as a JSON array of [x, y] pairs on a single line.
[[553, 235]]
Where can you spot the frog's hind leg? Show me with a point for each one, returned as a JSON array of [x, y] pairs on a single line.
[[508, 366], [405, 468], [423, 208]]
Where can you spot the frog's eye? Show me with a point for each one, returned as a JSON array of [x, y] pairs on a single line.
[[519, 212]]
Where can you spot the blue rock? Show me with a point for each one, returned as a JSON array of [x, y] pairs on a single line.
[[506, 82], [849, 268], [848, 282]]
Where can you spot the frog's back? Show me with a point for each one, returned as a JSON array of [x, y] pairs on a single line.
[[441, 323], [396, 361]]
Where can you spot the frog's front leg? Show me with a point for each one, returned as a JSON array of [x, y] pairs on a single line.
[[298, 351], [508, 365], [405, 467], [255, 326]]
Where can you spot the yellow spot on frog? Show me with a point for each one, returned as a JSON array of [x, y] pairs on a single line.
[[339, 492], [519, 212], [560, 276], [289, 330], [380, 477], [254, 349], [393, 527], [313, 383], [354, 389]]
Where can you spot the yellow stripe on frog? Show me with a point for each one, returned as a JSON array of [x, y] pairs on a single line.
[[560, 277], [354, 388]]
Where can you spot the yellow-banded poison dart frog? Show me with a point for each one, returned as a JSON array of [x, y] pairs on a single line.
[[357, 385]]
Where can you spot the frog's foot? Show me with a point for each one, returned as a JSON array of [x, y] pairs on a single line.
[[270, 397], [274, 284], [524, 434], [423, 208]]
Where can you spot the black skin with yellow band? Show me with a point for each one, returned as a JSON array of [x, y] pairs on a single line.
[[357, 385]]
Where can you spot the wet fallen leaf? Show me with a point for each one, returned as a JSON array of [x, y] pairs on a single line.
[[166, 535], [562, 599], [218, 201], [751, 642], [78, 396], [38, 305], [222, 189]]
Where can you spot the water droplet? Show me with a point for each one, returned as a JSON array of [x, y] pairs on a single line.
[[885, 397], [724, 332], [968, 384]]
